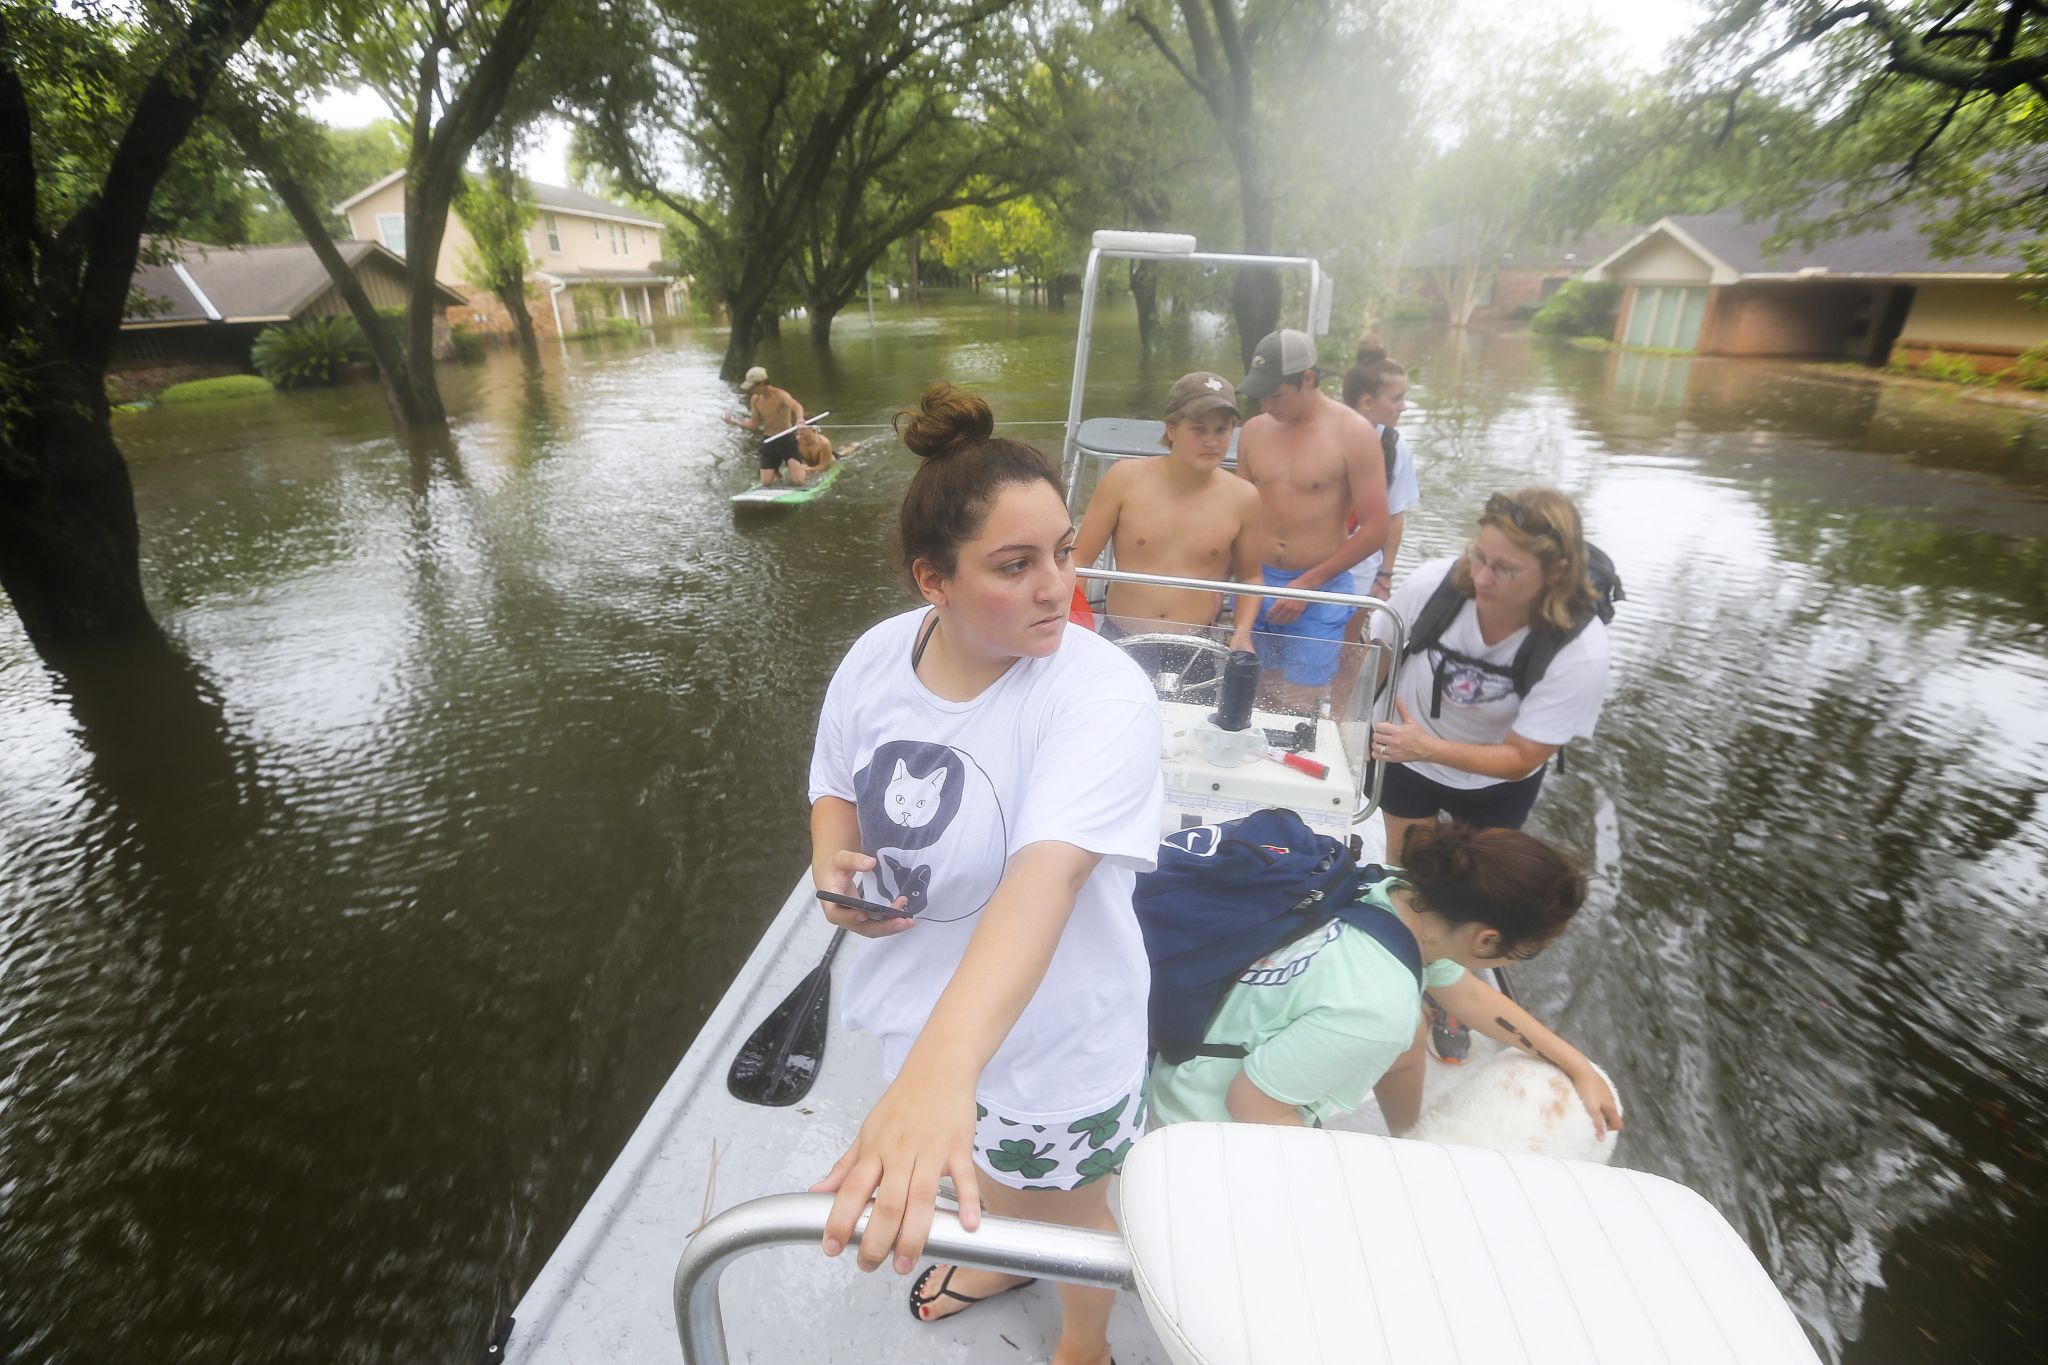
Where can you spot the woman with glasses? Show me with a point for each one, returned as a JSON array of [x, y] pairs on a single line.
[[1475, 730], [1472, 735], [1311, 1028]]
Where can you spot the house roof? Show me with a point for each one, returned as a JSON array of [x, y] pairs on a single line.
[[1449, 244], [1733, 249], [552, 198], [567, 276], [204, 283]]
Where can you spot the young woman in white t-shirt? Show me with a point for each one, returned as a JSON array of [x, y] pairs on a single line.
[[1377, 389], [996, 772]]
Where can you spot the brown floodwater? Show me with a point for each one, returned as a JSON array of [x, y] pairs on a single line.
[[333, 974]]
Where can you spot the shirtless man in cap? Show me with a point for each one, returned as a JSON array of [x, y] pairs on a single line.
[[1316, 464], [771, 410], [1178, 516]]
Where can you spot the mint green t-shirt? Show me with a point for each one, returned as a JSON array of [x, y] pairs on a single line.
[[1322, 1020]]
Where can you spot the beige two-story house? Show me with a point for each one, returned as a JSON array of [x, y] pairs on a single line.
[[590, 259]]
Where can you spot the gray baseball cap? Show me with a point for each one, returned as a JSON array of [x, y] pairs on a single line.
[[1280, 355], [1200, 392]]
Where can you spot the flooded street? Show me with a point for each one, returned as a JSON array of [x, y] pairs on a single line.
[[328, 991]]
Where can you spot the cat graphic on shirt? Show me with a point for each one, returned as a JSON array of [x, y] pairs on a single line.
[[928, 816]]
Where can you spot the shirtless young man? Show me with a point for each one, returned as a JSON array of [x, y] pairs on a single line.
[[771, 410], [1316, 463], [1179, 516]]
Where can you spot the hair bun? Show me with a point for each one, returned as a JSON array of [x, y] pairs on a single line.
[[945, 419], [1371, 350]]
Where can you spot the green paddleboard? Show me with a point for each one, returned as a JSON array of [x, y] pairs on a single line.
[[782, 494]]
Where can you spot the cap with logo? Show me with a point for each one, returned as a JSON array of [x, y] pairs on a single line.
[[1201, 392], [757, 375], [1280, 355]]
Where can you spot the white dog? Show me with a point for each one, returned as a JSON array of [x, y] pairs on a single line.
[[1511, 1102]]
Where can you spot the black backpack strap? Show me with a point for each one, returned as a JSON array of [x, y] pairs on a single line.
[[1540, 650], [1435, 617], [1390, 439], [1390, 933]]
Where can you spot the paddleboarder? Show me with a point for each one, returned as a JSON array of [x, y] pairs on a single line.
[[778, 417]]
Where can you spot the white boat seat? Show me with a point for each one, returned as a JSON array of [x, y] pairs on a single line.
[[1125, 436], [1256, 1245]]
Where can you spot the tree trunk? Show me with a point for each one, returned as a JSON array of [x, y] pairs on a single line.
[[70, 549], [821, 314], [915, 245], [1254, 294], [1145, 298], [385, 355], [513, 295], [771, 324]]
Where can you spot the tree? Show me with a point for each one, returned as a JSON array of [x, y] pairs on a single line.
[[350, 159], [497, 207], [1864, 109], [446, 69], [1223, 46], [72, 220], [735, 113]]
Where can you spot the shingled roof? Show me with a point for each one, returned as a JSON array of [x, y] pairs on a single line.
[[203, 283], [1734, 247], [558, 198]]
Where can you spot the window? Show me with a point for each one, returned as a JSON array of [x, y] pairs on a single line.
[[618, 240], [643, 237], [554, 234], [1667, 315], [391, 229]]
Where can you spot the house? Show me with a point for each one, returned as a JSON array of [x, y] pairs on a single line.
[[1450, 268], [1705, 283], [194, 309], [592, 259]]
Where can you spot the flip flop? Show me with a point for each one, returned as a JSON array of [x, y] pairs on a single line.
[[918, 1298]]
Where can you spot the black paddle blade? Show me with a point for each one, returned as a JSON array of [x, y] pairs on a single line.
[[779, 1060]]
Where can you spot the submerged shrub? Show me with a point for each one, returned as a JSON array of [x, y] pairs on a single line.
[[2030, 370], [207, 390], [1579, 309], [311, 352], [465, 343], [1955, 369]]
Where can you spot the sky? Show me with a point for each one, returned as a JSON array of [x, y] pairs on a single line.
[[1642, 29]]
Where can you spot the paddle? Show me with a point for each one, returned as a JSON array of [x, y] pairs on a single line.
[[808, 421], [780, 1058]]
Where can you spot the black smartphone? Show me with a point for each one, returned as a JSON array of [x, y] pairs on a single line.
[[874, 909]]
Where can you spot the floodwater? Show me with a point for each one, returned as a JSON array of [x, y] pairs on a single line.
[[332, 979]]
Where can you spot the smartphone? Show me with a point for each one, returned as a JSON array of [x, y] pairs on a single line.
[[874, 909]]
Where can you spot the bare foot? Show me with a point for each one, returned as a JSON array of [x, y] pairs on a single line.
[[943, 1290]]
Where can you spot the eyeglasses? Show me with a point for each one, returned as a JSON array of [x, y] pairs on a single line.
[[1528, 522], [1501, 570]]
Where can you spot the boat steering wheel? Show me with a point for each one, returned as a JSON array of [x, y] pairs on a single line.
[[1208, 689]]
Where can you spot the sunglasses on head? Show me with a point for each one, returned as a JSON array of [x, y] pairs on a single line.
[[1523, 519]]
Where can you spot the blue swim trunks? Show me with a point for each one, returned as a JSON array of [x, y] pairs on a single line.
[[1305, 649]]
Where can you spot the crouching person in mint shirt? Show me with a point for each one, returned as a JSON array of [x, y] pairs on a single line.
[[1326, 1019]]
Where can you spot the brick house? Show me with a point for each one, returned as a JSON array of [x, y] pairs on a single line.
[[1704, 283], [195, 314], [1446, 265], [589, 258]]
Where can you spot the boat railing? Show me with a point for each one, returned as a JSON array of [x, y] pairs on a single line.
[[1383, 646], [1168, 247], [1045, 1251]]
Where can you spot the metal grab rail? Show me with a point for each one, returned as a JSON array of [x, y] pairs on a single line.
[[1047, 1251], [1125, 246], [1366, 797]]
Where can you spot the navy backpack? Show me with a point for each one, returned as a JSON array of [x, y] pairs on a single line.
[[1225, 896]]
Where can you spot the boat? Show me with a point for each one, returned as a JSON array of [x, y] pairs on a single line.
[[1239, 1242]]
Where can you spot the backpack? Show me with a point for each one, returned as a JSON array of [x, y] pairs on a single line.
[[1538, 650], [1225, 896]]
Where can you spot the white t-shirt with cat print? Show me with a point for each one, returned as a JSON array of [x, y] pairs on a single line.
[[1062, 748]]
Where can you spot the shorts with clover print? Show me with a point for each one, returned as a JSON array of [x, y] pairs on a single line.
[[1059, 1153]]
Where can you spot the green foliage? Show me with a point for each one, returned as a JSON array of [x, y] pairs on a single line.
[[466, 343], [349, 160], [213, 390], [1580, 308], [1952, 369], [619, 325], [314, 351], [2030, 371], [498, 208]]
